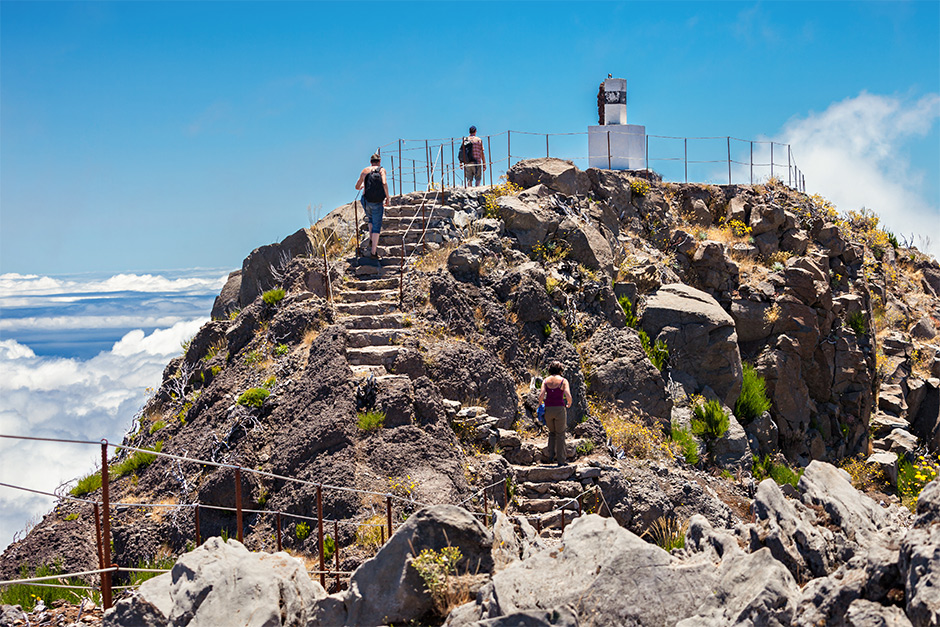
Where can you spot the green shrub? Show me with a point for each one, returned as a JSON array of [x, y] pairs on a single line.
[[585, 447], [856, 322], [273, 297], [710, 420], [893, 239], [253, 397], [87, 484], [667, 533], [135, 462], [72, 516], [253, 357], [658, 353], [370, 420], [436, 569], [628, 311], [281, 349], [547, 330], [157, 426], [27, 595], [687, 443], [780, 473], [269, 382], [753, 400], [329, 548], [302, 531]]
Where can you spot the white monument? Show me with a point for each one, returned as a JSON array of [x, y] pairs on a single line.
[[616, 145]]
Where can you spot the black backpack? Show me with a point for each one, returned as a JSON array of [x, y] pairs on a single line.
[[466, 151], [374, 189]]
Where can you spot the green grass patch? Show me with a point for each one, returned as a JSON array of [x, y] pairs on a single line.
[[87, 484], [253, 397], [27, 595], [301, 531], [781, 473], [710, 420], [585, 447], [273, 297], [687, 444], [158, 563], [136, 462], [157, 426], [753, 400], [370, 420]]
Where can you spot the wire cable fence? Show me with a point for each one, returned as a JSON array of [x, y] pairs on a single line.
[[716, 160], [484, 496]]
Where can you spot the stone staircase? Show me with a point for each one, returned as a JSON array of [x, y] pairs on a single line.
[[368, 306]]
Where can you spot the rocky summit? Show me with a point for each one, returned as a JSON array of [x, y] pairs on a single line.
[[753, 437]]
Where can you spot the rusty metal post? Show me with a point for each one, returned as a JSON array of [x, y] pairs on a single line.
[[729, 160], [106, 526], [453, 164], [401, 275], [198, 531], [382, 532], [356, 220], [546, 145], [771, 159], [238, 504], [414, 175], [538, 525], [392, 159], [427, 159], [647, 153], [401, 184], [562, 520], [579, 505], [489, 151], [424, 230], [508, 150], [336, 551], [388, 514], [506, 489], [98, 537], [320, 533], [486, 515], [277, 518]]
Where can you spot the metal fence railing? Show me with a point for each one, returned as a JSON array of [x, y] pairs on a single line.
[[424, 164]]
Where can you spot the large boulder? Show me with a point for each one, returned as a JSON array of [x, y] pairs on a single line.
[[620, 370], [586, 245], [528, 223], [555, 174], [261, 267], [606, 574], [387, 590], [700, 336], [227, 300], [857, 515], [222, 583], [920, 559]]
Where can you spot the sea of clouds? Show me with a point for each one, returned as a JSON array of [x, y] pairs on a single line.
[[79, 356]]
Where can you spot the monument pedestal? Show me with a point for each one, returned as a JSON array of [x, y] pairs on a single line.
[[627, 147]]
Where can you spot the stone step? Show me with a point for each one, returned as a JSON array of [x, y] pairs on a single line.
[[542, 506], [384, 321], [366, 309], [367, 296], [372, 355], [385, 283], [360, 338], [540, 474], [550, 489], [365, 371], [435, 220], [393, 252], [431, 211]]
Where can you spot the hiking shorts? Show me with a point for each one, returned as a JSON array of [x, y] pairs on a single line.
[[375, 211]]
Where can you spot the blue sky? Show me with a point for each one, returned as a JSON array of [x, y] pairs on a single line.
[[139, 135]]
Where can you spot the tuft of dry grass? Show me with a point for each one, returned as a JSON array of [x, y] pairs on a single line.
[[435, 260], [627, 432], [865, 477]]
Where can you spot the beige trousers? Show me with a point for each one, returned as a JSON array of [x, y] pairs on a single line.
[[556, 420]]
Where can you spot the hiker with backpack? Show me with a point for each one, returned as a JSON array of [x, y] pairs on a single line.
[[374, 198], [472, 158]]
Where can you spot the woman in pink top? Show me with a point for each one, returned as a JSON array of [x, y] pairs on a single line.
[[556, 394]]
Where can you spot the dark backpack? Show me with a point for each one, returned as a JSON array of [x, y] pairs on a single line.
[[375, 190], [466, 151]]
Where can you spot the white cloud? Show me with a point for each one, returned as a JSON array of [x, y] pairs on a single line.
[[12, 284], [853, 153], [160, 342]]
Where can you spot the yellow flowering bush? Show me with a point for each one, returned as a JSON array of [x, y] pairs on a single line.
[[913, 477]]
